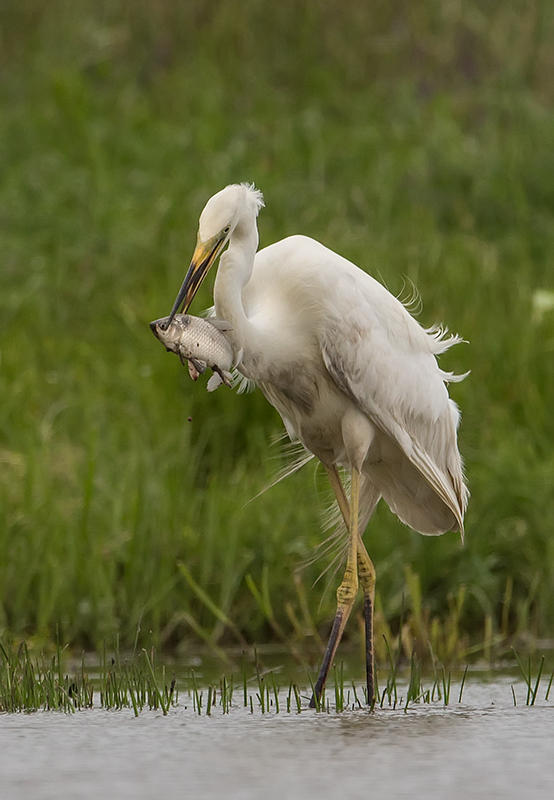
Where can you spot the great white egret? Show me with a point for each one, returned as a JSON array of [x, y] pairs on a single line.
[[352, 374]]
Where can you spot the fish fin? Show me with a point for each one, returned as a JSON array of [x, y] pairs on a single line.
[[208, 312], [215, 382], [195, 366], [193, 372], [238, 358], [220, 324], [224, 377]]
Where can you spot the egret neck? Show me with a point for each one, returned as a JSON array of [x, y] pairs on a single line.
[[235, 269]]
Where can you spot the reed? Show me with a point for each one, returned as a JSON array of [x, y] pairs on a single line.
[[137, 683], [116, 511], [532, 682]]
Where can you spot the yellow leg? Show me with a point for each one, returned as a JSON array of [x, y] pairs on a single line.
[[346, 593], [366, 574], [338, 489]]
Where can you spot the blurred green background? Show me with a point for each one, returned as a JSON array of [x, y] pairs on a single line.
[[413, 138]]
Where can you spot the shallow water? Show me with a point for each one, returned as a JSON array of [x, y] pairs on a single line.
[[482, 748]]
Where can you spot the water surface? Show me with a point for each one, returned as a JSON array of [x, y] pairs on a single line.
[[482, 748]]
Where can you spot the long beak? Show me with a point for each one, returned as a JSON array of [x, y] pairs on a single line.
[[205, 253]]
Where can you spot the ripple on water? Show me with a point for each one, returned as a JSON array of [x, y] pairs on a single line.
[[484, 747]]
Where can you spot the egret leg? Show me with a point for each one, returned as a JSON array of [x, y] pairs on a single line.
[[346, 593], [366, 574]]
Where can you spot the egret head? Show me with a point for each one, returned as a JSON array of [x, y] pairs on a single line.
[[221, 215]]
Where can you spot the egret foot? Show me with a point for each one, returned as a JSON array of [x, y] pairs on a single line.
[[366, 573], [346, 593]]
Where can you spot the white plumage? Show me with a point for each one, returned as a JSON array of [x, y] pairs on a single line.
[[331, 348], [352, 374]]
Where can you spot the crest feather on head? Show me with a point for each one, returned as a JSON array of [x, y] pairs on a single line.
[[254, 195]]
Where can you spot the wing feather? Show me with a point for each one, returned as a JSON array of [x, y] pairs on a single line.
[[379, 356], [385, 362]]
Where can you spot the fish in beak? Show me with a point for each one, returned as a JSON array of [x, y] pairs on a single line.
[[205, 253]]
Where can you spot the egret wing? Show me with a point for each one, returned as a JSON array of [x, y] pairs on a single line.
[[385, 362]]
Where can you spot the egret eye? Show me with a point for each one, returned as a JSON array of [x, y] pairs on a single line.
[[227, 229]]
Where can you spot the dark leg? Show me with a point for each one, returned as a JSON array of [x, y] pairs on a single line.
[[334, 638], [366, 573]]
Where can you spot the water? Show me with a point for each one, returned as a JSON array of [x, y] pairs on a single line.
[[482, 748]]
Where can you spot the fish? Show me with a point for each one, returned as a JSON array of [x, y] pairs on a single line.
[[199, 343]]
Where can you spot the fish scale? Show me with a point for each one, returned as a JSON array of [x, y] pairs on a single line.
[[199, 343]]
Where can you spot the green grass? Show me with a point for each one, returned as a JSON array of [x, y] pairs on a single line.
[[415, 140], [33, 683], [39, 683]]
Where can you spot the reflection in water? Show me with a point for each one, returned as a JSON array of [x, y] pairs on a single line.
[[483, 748]]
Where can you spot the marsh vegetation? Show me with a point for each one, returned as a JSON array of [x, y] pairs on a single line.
[[417, 143]]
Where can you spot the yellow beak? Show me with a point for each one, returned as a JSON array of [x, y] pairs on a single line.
[[205, 253]]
